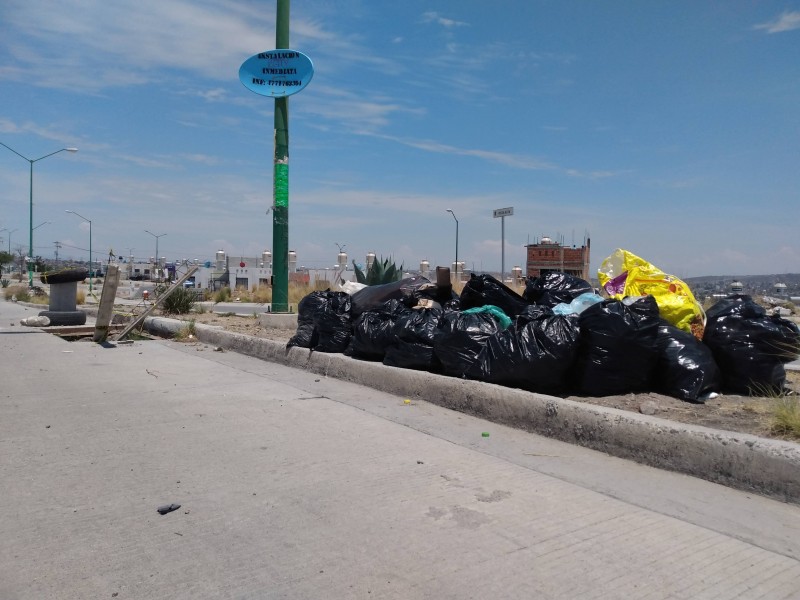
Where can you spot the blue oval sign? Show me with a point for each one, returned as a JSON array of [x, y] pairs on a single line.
[[276, 73]]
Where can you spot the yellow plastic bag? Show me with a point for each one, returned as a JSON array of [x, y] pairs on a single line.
[[625, 274]]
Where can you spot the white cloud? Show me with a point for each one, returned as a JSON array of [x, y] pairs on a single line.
[[141, 38], [786, 22], [434, 17]]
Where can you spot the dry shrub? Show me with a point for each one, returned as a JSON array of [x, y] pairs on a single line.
[[19, 291], [187, 332], [261, 294], [786, 416], [80, 297]]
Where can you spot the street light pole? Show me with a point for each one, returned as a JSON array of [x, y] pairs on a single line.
[[90, 246], [157, 259], [34, 229], [30, 230], [9, 238], [454, 216]]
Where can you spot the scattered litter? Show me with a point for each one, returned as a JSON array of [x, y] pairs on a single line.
[[419, 462], [167, 508], [645, 333], [625, 274], [47, 426], [485, 434], [219, 349], [35, 321], [67, 351]]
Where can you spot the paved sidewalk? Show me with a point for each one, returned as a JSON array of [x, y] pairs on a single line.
[[295, 485]]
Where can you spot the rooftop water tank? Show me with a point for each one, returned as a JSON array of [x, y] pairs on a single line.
[[292, 261], [424, 267]]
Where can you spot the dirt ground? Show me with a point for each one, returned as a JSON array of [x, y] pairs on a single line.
[[744, 414]]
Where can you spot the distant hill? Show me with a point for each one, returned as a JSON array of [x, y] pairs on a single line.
[[753, 284]]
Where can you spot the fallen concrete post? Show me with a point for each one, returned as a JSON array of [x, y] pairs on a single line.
[[106, 311]]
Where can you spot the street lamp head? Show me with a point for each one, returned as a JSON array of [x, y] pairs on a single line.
[[73, 150]]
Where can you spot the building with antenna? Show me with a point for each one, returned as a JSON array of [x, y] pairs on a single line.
[[547, 256]]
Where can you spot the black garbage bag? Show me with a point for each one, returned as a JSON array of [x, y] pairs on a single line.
[[323, 322], [534, 353], [617, 351], [373, 331], [412, 355], [686, 368], [454, 303], [334, 324], [460, 337], [749, 346], [408, 290], [484, 289], [308, 308], [554, 288], [413, 346]]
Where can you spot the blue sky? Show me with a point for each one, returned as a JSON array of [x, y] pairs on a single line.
[[670, 129]]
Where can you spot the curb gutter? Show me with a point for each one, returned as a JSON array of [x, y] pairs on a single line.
[[737, 460]]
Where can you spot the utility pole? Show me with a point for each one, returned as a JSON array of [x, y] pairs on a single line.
[[58, 247], [280, 181], [279, 73]]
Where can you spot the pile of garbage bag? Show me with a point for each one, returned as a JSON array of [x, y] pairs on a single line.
[[559, 336]]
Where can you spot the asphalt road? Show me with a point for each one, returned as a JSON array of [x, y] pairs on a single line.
[[295, 485]]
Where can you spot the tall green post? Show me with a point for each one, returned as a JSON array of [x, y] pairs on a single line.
[[280, 185]]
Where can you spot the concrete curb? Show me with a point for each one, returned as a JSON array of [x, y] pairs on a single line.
[[746, 462]]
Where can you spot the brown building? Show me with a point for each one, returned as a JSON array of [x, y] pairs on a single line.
[[547, 256]]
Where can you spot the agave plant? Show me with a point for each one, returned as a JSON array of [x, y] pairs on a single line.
[[379, 273]]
